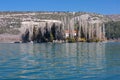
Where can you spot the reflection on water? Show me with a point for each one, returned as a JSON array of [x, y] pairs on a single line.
[[58, 61]]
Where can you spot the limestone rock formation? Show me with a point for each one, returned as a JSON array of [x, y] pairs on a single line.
[[88, 27], [48, 26], [43, 30]]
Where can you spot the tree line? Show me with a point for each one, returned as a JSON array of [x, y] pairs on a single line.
[[112, 30]]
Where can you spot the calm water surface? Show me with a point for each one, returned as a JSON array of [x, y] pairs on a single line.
[[71, 61]]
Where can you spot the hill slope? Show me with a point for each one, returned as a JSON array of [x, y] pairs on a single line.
[[11, 23]]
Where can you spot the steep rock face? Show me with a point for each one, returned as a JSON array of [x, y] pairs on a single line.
[[87, 25], [42, 30]]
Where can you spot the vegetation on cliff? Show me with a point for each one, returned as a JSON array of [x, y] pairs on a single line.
[[112, 29], [87, 26]]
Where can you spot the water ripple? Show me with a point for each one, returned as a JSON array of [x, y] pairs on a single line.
[[75, 61]]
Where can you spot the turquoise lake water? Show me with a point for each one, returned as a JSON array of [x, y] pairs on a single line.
[[71, 61]]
